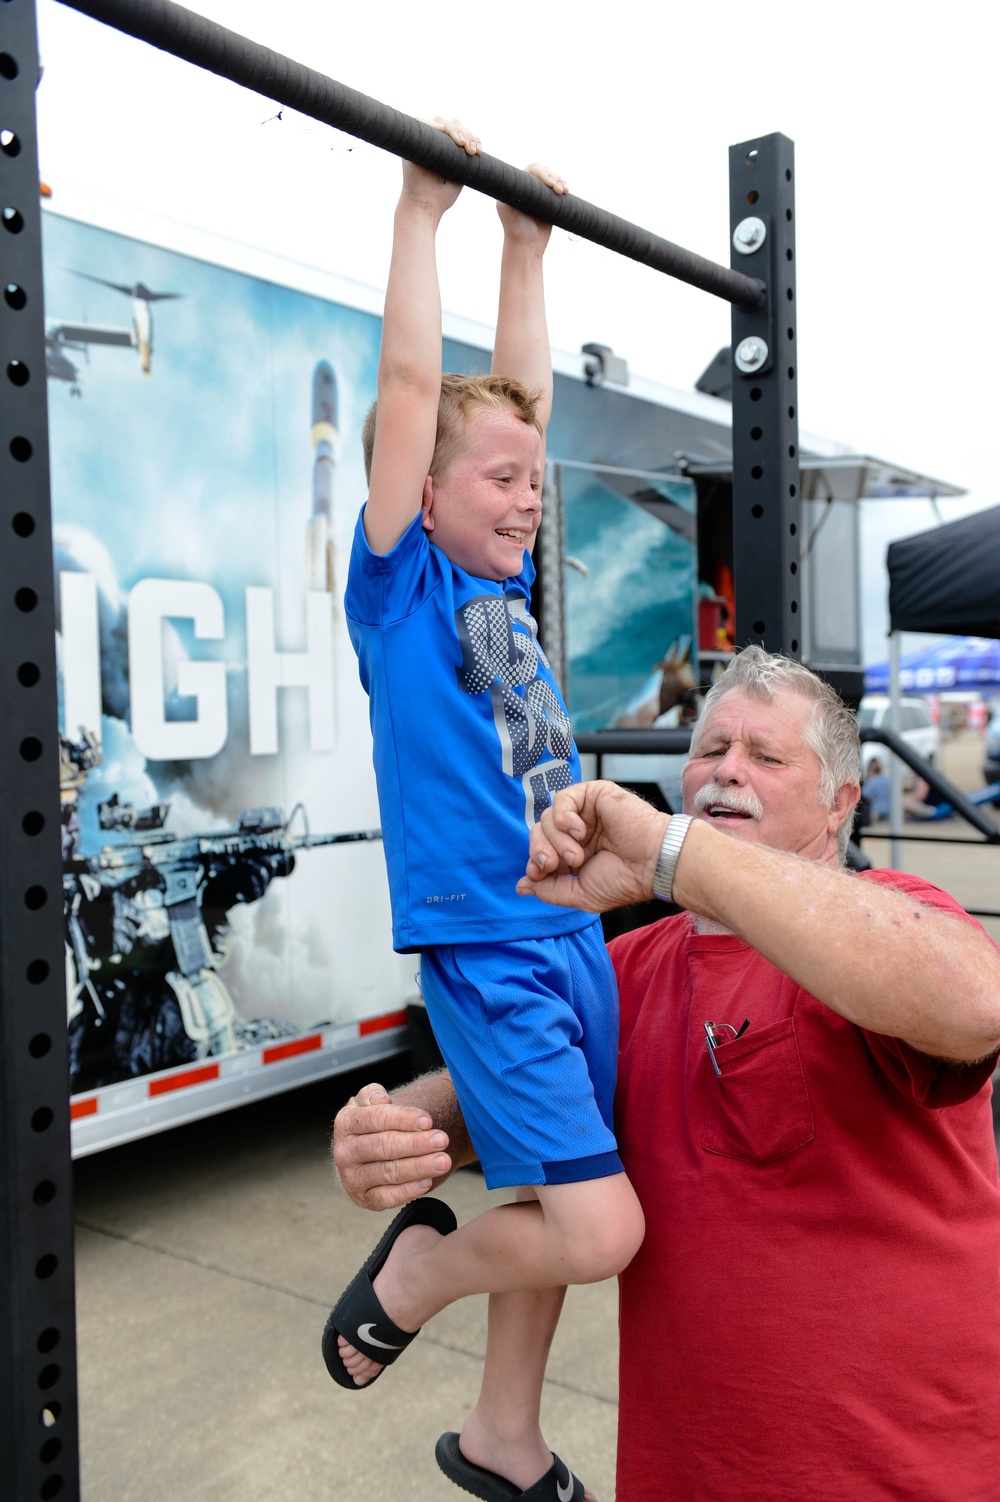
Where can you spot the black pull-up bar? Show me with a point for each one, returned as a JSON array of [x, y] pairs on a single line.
[[206, 44]]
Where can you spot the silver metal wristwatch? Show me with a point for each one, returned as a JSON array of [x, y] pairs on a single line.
[[666, 862]]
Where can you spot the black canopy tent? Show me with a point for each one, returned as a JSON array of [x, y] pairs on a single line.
[[947, 580]]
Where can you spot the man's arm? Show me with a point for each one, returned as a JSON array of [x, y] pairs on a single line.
[[880, 958], [409, 371], [389, 1150], [521, 348]]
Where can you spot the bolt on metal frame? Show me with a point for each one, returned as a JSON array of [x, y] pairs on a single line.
[[38, 1422]]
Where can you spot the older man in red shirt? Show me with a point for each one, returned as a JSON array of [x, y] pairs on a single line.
[[804, 1111]]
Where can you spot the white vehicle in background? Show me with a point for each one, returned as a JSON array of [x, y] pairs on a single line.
[[915, 726]]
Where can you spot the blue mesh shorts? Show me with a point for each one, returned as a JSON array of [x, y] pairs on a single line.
[[529, 1031]]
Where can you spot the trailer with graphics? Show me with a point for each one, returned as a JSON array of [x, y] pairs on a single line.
[[227, 928]]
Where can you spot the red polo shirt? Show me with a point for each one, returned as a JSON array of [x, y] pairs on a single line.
[[814, 1315]]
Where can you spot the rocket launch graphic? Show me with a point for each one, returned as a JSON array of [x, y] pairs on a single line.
[[320, 559]]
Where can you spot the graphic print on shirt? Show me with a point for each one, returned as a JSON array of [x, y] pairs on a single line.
[[501, 655]]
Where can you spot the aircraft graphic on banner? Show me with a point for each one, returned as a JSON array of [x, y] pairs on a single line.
[[61, 336]]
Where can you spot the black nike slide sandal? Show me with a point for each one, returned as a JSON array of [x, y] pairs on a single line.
[[557, 1485], [359, 1317]]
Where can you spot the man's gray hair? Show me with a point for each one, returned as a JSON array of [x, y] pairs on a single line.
[[831, 731]]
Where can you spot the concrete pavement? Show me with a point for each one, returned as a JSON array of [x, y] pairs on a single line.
[[207, 1262]]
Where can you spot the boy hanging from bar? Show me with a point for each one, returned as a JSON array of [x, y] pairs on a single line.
[[470, 738]]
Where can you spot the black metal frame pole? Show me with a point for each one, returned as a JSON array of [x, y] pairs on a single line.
[[207, 45], [766, 531], [39, 1452]]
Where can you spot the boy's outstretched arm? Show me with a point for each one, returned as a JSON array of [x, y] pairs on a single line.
[[522, 349], [409, 372]]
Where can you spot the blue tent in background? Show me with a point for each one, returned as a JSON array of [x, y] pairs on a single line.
[[968, 663]]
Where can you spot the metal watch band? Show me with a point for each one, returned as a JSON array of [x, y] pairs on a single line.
[[666, 861]]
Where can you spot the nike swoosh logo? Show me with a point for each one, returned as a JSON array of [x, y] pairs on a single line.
[[565, 1494], [365, 1334]]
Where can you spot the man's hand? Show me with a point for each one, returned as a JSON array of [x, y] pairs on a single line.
[[387, 1154], [594, 848]]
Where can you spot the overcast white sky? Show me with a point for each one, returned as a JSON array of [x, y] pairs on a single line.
[[890, 106]]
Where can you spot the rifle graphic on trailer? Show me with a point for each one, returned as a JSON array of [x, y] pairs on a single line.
[[147, 926]]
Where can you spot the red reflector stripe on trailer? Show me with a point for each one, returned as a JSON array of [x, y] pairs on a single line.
[[289, 1050], [203, 1073], [181, 1081], [381, 1024]]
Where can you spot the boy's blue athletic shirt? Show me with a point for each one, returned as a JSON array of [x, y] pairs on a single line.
[[471, 738]]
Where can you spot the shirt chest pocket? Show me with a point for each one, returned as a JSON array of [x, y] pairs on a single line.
[[758, 1108]]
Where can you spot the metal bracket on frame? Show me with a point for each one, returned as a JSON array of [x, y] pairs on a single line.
[[766, 540]]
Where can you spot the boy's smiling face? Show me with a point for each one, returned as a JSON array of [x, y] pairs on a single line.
[[483, 509]]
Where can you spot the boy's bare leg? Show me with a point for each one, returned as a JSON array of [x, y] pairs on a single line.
[[503, 1431], [523, 1250], [575, 1233], [379, 1168]]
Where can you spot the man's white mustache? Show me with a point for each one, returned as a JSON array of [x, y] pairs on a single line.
[[740, 800]]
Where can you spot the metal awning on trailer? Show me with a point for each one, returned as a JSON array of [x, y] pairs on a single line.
[[844, 477]]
